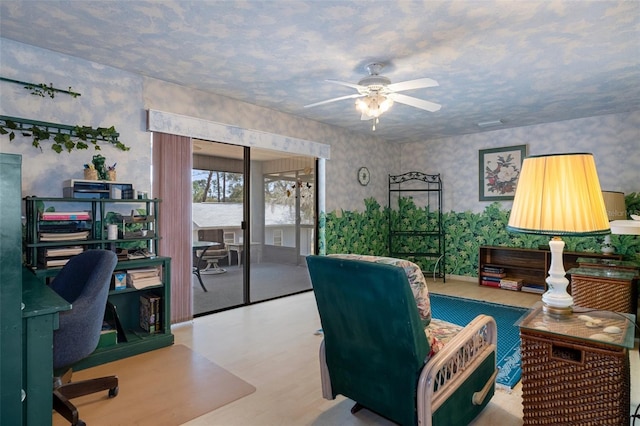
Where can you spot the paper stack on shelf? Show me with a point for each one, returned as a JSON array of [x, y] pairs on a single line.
[[58, 256], [64, 236], [62, 251], [143, 277], [52, 263]]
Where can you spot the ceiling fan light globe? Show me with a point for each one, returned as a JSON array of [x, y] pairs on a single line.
[[385, 105], [361, 105]]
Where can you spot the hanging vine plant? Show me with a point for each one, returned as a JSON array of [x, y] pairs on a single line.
[[63, 137], [41, 89]]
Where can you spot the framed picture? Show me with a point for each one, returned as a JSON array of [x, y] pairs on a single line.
[[499, 171]]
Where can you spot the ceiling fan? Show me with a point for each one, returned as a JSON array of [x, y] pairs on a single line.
[[376, 94]]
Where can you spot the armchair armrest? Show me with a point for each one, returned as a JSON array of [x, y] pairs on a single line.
[[453, 364]]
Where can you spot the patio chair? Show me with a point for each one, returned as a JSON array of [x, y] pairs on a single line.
[[213, 256]]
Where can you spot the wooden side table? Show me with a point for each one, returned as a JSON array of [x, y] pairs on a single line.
[[574, 372], [604, 288]]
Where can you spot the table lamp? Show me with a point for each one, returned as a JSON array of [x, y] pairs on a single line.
[[625, 227], [616, 210], [558, 195]]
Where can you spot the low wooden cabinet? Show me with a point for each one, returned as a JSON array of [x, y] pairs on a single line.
[[529, 265]]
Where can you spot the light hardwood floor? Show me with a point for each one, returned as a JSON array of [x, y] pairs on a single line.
[[272, 345]]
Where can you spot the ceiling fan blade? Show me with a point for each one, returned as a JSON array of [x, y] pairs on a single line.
[[344, 83], [355, 95], [412, 84], [414, 102]]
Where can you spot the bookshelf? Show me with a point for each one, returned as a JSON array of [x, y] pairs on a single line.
[[531, 266], [73, 225]]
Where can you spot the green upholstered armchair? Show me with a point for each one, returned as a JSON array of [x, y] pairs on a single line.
[[376, 350]]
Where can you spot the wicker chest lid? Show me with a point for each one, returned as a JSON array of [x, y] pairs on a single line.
[[604, 327]]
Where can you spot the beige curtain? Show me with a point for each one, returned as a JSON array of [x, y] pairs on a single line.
[[172, 159]]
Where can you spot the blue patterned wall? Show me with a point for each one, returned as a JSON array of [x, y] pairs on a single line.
[[113, 97], [613, 139]]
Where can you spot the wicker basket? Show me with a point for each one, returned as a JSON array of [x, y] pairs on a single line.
[[566, 383], [111, 175], [90, 174], [588, 292]]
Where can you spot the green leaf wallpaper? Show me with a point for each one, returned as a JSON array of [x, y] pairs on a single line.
[[368, 233], [356, 232]]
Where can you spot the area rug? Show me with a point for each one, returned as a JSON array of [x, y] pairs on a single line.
[[461, 311], [168, 386]]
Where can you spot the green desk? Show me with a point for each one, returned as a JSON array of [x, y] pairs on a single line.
[[39, 319]]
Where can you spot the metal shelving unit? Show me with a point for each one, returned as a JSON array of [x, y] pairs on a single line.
[[415, 220]]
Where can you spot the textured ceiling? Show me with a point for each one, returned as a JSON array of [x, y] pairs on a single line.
[[522, 62]]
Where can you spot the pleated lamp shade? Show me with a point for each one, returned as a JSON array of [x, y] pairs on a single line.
[[557, 195]]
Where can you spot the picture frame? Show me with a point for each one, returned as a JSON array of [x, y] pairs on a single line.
[[499, 170]]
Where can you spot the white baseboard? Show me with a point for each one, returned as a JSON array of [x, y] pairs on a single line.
[[463, 278]]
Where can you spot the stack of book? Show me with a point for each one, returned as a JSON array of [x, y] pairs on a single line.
[[143, 277], [64, 226], [58, 256], [511, 283], [150, 309], [491, 275], [81, 215], [532, 288]]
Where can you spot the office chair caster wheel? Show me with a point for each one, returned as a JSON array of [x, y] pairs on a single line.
[[80, 423], [113, 392]]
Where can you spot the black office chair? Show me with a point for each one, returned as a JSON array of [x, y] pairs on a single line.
[[83, 282]]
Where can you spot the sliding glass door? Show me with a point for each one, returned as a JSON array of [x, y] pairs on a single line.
[[257, 208], [218, 208], [287, 228]]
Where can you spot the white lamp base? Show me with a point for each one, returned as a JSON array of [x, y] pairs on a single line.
[[556, 299], [607, 248]]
